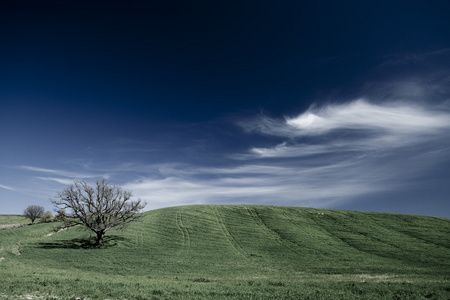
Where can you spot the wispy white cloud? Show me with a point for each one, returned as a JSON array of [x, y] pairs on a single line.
[[58, 172], [396, 118], [284, 150], [311, 185], [7, 187], [43, 183], [64, 181], [358, 126]]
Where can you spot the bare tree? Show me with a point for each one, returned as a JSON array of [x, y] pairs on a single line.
[[99, 208], [33, 212]]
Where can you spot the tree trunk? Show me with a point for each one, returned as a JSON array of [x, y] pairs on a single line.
[[99, 240]]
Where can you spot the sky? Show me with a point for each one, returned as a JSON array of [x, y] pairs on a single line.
[[327, 104]]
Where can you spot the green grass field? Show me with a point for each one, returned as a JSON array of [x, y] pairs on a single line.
[[232, 252]]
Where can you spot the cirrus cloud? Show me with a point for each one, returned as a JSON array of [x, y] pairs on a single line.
[[356, 126], [396, 118]]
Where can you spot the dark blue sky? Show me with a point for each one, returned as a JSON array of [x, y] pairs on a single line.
[[336, 104]]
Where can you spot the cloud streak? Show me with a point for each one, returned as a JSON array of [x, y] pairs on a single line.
[[358, 126], [63, 173], [398, 118], [362, 115], [58, 180], [7, 187], [250, 184], [324, 182]]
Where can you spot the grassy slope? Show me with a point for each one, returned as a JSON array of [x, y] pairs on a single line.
[[236, 251]]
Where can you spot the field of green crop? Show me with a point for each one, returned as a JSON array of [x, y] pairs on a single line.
[[232, 252]]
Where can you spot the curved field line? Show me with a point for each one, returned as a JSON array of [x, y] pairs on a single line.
[[257, 219], [227, 234], [409, 235], [352, 245], [184, 230], [141, 237]]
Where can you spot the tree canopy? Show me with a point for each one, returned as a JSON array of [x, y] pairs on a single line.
[[33, 212], [99, 208]]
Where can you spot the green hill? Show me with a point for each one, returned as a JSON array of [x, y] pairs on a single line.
[[233, 251]]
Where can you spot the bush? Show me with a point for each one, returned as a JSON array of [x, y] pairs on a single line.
[[47, 217]]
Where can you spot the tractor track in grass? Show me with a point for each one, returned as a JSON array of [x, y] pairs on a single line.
[[140, 237], [270, 232], [413, 236], [227, 234], [184, 229]]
